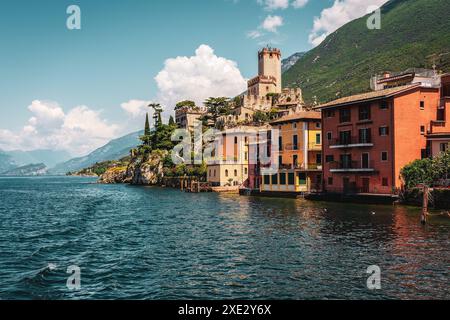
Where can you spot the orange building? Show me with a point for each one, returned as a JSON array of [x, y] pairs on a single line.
[[369, 138]]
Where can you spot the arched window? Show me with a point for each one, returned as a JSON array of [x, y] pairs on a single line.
[[235, 173], [226, 173]]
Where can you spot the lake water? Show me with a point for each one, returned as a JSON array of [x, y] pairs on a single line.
[[152, 243]]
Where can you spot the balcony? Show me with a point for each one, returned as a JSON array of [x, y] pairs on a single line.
[[352, 166], [312, 146], [351, 142]]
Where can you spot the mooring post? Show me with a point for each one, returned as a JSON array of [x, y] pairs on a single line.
[[424, 217]]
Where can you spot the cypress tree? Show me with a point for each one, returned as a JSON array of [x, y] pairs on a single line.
[[171, 121], [147, 126]]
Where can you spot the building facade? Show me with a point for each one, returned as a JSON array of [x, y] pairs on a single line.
[[268, 79], [298, 155], [369, 138], [187, 118], [228, 166]]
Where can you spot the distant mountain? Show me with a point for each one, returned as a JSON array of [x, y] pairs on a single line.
[[6, 162], [114, 150], [411, 31], [290, 61], [49, 157], [28, 170]]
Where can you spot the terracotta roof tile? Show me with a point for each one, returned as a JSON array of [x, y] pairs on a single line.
[[299, 116], [368, 96]]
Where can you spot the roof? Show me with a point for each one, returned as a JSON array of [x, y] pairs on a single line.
[[302, 115], [368, 96], [438, 135]]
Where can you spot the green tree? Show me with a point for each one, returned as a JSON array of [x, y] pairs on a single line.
[[185, 104], [171, 121], [217, 107]]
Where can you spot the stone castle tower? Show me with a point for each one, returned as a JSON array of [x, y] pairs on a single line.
[[269, 73]]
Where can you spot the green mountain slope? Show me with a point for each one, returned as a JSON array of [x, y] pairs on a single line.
[[411, 31], [113, 150]]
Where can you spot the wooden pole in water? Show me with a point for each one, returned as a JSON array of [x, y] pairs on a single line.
[[424, 217]]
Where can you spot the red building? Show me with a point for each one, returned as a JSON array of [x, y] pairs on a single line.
[[368, 138]]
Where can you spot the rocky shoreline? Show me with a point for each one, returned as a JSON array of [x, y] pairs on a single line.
[[141, 170]]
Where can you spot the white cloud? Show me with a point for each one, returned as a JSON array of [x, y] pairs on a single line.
[[297, 4], [136, 108], [197, 78], [272, 23], [274, 4], [79, 131], [342, 12], [254, 34]]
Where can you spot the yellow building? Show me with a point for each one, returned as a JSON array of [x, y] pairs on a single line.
[[187, 118], [299, 155]]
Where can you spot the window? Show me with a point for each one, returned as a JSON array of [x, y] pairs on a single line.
[[291, 178], [246, 155], [365, 160], [329, 113], [214, 172], [383, 131], [235, 140], [364, 113], [345, 137], [280, 143], [329, 136], [318, 138], [318, 125], [385, 182], [210, 172], [346, 161], [245, 171], [283, 178], [302, 178], [345, 115], [443, 147], [294, 125], [384, 105], [422, 105], [330, 181], [329, 158], [235, 173], [266, 179], [294, 142], [275, 178], [295, 160], [365, 135], [319, 158], [226, 173], [384, 156], [422, 130]]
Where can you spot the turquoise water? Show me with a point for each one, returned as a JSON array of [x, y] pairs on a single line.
[[152, 243]]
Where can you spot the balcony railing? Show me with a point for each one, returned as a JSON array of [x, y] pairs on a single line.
[[352, 166], [314, 146], [351, 142]]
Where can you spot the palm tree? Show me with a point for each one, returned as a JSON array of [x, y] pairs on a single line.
[[157, 110]]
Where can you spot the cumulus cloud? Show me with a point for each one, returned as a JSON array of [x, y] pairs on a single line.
[[78, 131], [299, 3], [274, 4], [197, 78], [272, 23], [342, 12], [136, 108]]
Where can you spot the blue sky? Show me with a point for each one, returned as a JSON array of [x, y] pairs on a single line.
[[48, 71]]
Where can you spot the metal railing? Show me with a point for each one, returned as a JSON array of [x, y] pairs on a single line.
[[350, 141], [352, 165]]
